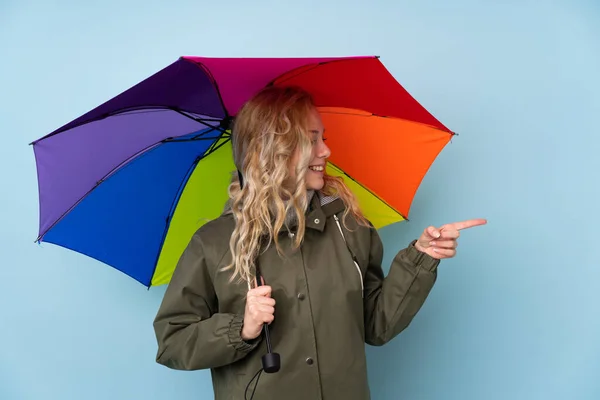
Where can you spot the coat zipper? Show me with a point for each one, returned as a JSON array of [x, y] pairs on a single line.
[[337, 221]]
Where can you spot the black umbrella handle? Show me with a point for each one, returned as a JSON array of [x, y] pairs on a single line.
[[271, 361]]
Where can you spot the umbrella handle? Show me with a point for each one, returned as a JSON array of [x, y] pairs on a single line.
[[271, 361]]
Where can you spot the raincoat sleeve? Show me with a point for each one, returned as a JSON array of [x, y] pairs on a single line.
[[191, 334], [391, 302]]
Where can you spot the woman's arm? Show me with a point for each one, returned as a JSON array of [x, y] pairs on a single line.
[[391, 303], [190, 333]]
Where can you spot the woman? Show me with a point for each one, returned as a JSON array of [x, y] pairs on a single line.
[[324, 294]]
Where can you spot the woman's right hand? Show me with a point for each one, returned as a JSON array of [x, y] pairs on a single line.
[[260, 309]]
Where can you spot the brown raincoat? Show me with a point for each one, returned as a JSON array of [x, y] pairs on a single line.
[[325, 313]]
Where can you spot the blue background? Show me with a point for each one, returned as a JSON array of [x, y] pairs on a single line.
[[514, 316]]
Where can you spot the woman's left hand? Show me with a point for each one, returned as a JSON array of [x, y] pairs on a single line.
[[441, 242]]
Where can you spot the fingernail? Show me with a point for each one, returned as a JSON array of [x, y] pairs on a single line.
[[432, 243]]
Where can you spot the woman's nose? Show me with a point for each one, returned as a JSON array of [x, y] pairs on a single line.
[[324, 151]]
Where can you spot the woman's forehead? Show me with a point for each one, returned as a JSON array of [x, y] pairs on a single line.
[[314, 122]]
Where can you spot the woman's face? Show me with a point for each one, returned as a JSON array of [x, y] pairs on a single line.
[[320, 152]]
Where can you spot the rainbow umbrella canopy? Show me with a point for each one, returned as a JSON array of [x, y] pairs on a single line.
[[129, 182]]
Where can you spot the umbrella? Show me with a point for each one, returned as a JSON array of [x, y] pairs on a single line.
[[129, 182]]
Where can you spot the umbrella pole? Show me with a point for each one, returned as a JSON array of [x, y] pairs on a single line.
[[271, 361]]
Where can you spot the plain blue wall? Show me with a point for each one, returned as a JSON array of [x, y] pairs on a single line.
[[514, 316]]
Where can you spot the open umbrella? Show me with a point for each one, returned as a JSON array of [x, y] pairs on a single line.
[[129, 182]]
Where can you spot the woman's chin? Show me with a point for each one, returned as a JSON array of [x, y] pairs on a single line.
[[315, 184]]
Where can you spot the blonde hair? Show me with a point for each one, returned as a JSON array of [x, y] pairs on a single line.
[[266, 133]]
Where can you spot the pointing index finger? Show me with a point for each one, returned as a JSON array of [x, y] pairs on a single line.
[[468, 223]]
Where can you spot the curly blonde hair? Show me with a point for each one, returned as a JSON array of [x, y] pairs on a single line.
[[266, 133]]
